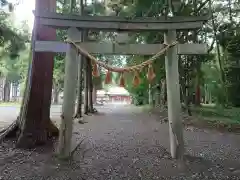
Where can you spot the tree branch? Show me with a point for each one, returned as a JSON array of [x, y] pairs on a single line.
[[202, 5], [211, 47]]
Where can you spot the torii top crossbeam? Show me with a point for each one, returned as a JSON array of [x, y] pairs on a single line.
[[108, 23]]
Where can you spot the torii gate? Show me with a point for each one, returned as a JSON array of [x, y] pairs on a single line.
[[106, 23]]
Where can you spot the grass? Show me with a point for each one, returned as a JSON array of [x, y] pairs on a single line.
[[145, 107], [230, 115], [212, 116], [217, 117], [10, 104]]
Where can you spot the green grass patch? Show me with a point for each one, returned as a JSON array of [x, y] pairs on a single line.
[[10, 104], [219, 114], [144, 108]]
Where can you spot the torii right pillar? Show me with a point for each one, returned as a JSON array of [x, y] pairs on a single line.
[[173, 98]]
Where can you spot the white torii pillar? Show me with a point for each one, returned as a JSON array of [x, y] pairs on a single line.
[[173, 98], [69, 96]]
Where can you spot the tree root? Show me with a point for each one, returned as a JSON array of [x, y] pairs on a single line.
[[10, 131], [38, 137], [78, 116], [28, 139], [95, 110], [52, 130], [92, 111], [80, 120]]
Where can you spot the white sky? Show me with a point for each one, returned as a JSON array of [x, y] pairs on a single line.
[[23, 12]]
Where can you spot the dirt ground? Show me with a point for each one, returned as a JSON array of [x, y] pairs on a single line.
[[121, 143]]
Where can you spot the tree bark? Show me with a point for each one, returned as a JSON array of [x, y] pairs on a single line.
[[86, 86], [150, 99], [197, 95], [94, 94], [55, 95], [80, 84], [36, 126], [90, 88], [7, 89], [163, 93], [80, 72], [221, 68]]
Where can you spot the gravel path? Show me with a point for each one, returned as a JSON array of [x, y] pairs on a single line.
[[125, 144]]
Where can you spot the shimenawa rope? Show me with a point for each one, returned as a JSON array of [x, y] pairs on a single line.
[[117, 69]]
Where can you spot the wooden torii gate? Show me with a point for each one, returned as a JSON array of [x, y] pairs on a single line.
[[105, 23]]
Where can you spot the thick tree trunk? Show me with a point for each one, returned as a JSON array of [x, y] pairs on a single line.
[[36, 126], [36, 119], [7, 89]]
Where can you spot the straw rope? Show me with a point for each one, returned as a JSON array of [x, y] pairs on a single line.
[[117, 69]]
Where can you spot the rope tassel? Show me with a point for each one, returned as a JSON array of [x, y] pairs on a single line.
[[95, 71], [150, 75], [108, 79], [136, 79], [122, 81]]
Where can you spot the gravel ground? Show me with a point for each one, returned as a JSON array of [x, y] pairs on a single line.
[[125, 144]]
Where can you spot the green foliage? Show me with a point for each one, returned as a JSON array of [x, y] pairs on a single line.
[[232, 69], [58, 71], [11, 39], [14, 48], [231, 115], [139, 93]]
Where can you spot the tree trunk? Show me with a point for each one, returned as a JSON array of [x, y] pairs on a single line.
[[90, 88], [36, 126], [6, 91], [80, 84], [94, 95], [80, 72], [187, 102], [150, 98], [86, 86], [55, 95], [221, 68], [198, 96], [163, 95], [230, 11]]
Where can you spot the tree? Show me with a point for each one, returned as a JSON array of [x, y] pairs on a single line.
[[34, 123], [13, 44], [58, 76], [36, 126]]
